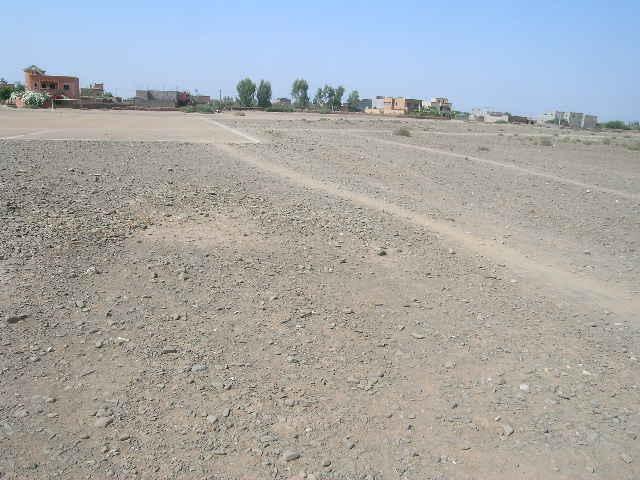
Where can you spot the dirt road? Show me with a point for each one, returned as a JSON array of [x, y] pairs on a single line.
[[277, 296]]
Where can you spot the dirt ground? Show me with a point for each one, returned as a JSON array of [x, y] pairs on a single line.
[[275, 296]]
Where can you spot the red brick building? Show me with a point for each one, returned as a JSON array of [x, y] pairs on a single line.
[[35, 79]]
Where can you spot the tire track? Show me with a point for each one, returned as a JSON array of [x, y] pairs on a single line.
[[543, 271]]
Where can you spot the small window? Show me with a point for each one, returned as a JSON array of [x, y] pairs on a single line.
[[65, 87]]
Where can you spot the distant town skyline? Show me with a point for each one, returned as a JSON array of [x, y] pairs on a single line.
[[526, 59]]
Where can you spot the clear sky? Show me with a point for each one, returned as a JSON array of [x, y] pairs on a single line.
[[516, 56]]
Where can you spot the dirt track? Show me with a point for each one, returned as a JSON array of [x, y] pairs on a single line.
[[188, 296]]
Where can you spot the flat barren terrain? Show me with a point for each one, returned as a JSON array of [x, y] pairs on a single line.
[[276, 296]]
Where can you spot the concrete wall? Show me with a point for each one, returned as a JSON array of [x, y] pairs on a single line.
[[156, 98]]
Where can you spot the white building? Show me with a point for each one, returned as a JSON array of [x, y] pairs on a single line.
[[570, 119]]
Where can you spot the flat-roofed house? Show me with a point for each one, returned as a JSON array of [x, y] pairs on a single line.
[[58, 86]]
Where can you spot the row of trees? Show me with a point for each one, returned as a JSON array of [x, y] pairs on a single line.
[[326, 98], [249, 95]]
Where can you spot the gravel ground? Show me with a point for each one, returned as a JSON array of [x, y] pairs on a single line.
[[334, 302]]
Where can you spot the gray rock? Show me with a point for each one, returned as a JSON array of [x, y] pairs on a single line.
[[16, 318], [212, 419], [21, 413], [626, 458], [290, 455], [507, 429], [326, 462], [198, 367], [226, 412], [102, 422]]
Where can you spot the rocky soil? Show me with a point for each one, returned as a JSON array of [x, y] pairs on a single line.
[[184, 311]]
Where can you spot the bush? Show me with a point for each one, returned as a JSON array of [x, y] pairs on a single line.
[[402, 132], [5, 93], [29, 98], [205, 108], [483, 149], [546, 142], [279, 107], [606, 141], [634, 146], [616, 124]]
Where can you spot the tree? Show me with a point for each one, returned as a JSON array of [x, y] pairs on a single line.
[[338, 93], [328, 93], [246, 91], [300, 93], [319, 100], [353, 101], [264, 94], [19, 87]]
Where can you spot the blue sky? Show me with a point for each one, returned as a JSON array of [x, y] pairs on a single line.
[[522, 57]]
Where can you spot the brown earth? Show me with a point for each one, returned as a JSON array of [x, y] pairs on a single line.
[[279, 295]]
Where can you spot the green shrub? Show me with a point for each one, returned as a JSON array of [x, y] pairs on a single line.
[[616, 124], [402, 132], [5, 93], [606, 141], [205, 108], [483, 149], [279, 107], [633, 146], [546, 142]]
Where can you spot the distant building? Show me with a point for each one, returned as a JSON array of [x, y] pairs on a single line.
[[201, 99], [364, 103], [377, 103], [282, 101], [589, 121], [442, 105], [520, 119], [401, 105], [477, 114], [489, 116], [94, 90], [394, 105], [495, 117], [58, 86], [570, 119]]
